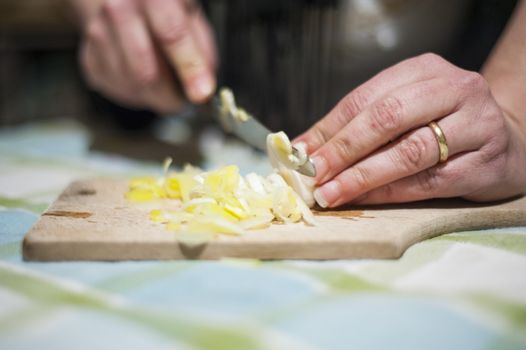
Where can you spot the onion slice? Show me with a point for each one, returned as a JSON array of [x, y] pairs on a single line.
[[219, 201], [279, 151]]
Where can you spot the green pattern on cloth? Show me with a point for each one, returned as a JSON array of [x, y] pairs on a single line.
[[463, 290], [22, 204], [513, 242]]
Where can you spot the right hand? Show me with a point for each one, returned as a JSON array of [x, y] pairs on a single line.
[[130, 47]]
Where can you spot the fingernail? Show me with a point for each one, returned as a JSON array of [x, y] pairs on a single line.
[[320, 163], [327, 194], [301, 146], [202, 89]]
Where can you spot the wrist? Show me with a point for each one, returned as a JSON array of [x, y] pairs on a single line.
[[516, 123], [503, 89], [517, 160]]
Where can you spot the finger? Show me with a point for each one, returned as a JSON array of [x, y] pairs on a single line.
[[169, 22], [165, 97], [409, 71], [401, 110], [153, 82], [451, 179], [92, 67], [204, 37], [133, 40], [414, 152], [102, 60], [100, 47]]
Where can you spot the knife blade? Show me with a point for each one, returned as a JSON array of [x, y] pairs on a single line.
[[247, 128], [237, 121]]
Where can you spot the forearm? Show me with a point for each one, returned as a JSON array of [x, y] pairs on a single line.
[[505, 70]]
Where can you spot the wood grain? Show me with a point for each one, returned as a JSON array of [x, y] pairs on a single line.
[[91, 220]]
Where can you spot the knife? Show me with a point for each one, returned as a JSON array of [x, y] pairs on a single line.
[[237, 121]]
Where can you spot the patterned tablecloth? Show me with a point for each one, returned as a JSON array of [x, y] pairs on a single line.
[[465, 290]]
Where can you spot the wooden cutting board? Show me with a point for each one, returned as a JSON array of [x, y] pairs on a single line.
[[91, 220]]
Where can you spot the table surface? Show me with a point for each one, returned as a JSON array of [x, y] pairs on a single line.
[[465, 290]]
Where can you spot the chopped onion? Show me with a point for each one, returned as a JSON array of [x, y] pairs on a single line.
[[279, 151], [219, 201], [222, 201]]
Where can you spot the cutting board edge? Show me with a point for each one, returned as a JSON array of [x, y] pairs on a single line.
[[500, 214], [477, 219], [38, 250]]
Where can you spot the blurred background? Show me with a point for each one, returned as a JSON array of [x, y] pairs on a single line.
[[288, 62]]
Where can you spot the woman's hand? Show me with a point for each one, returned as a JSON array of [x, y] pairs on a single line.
[[130, 48], [376, 146]]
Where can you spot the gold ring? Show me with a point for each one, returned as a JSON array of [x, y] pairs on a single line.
[[443, 150]]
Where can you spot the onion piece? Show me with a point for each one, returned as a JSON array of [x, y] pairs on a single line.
[[279, 150], [220, 201]]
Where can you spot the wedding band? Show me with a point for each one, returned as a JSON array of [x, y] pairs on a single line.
[[442, 142]]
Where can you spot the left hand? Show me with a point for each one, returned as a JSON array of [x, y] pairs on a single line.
[[375, 145], [130, 48]]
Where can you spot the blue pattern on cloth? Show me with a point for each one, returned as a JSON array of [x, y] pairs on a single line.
[[14, 224], [458, 291], [384, 321]]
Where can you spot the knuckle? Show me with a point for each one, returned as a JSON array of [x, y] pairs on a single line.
[[115, 9], [473, 81], [145, 75], [319, 134], [428, 180], [95, 31], [410, 153], [360, 178], [387, 115], [173, 33], [388, 192], [343, 148], [493, 149], [353, 104], [144, 71], [430, 58]]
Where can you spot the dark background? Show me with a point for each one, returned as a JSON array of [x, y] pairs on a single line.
[[280, 57]]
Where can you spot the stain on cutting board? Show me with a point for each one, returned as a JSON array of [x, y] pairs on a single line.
[[68, 214], [344, 214]]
